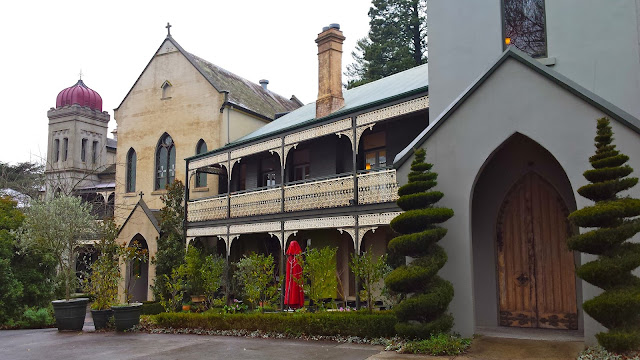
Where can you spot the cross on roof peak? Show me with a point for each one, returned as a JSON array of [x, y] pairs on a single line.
[[168, 29]]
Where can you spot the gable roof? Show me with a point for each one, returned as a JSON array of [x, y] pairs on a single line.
[[397, 86], [148, 212], [513, 53], [243, 93]]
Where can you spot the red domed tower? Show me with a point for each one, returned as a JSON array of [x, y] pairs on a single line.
[[79, 94], [78, 148]]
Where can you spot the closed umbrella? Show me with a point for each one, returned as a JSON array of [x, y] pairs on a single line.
[[294, 294]]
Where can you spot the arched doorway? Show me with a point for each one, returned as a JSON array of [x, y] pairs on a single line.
[[137, 277], [536, 276], [519, 173]]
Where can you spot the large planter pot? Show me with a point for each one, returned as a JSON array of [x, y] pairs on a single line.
[[126, 316], [70, 314], [101, 318]]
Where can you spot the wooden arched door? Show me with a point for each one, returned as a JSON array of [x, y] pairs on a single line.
[[536, 271]]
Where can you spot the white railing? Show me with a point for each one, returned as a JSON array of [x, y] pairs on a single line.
[[260, 202], [377, 187], [207, 209], [320, 194], [373, 188]]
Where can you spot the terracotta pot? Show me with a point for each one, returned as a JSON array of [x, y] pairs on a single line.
[[186, 307]]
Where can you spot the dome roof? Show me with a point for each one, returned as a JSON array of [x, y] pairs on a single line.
[[79, 94]]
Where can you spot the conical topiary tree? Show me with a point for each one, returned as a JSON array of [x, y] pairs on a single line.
[[425, 311], [618, 307]]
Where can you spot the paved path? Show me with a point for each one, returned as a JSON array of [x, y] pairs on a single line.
[[50, 344]]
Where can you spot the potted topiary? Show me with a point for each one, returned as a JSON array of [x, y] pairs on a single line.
[[57, 226], [127, 315], [102, 282]]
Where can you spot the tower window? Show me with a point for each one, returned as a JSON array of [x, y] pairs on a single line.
[[83, 150], [94, 153], [524, 26], [56, 150], [131, 170], [201, 179], [165, 162], [65, 148]]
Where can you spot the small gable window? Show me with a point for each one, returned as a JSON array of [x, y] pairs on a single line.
[[524, 26], [131, 170], [165, 162], [201, 179], [166, 89]]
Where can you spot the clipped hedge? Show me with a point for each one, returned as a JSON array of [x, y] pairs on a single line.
[[365, 325], [152, 308]]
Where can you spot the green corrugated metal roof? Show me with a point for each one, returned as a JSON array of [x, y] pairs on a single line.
[[390, 86]]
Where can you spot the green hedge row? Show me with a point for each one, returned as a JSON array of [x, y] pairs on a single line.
[[365, 325], [151, 308]]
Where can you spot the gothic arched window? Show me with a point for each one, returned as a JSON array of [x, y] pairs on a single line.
[[165, 162], [524, 26], [131, 170], [201, 179]]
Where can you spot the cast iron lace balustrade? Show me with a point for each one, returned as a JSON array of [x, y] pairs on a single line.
[[259, 202]]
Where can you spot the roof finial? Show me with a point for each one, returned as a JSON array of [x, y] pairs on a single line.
[[168, 29], [80, 74]]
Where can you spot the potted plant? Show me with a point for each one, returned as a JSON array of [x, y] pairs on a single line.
[[127, 315], [102, 283], [57, 226]]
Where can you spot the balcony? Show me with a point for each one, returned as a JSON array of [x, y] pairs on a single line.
[[374, 187]]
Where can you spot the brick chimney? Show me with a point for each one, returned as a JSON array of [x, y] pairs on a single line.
[[329, 71]]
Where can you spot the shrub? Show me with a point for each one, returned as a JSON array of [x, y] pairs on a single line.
[[370, 271], [424, 312], [56, 227], [175, 286], [171, 244], [319, 273], [366, 325], [254, 274], [151, 308], [618, 307], [194, 261], [212, 270], [437, 345], [35, 318], [102, 283]]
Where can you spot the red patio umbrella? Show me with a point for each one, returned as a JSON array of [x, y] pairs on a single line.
[[293, 294]]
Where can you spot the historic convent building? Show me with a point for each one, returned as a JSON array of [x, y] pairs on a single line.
[[506, 112]]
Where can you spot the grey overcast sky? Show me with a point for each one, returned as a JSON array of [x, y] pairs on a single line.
[[47, 43]]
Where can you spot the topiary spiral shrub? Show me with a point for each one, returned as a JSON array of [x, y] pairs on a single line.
[[424, 312], [618, 307]]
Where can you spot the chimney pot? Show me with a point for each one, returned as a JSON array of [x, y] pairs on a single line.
[[264, 83], [329, 70]]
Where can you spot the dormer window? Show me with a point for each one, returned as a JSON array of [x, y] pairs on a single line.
[[524, 26], [166, 90]]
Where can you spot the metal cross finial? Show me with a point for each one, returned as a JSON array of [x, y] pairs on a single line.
[[168, 29], [140, 193], [80, 74]]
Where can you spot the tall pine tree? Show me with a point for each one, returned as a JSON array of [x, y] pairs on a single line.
[[397, 41], [424, 313], [615, 220]]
